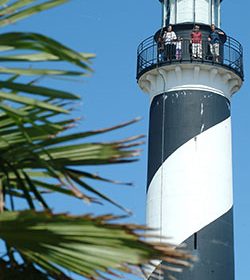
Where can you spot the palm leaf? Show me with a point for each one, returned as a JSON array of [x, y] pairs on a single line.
[[31, 101], [55, 165], [86, 175], [40, 72], [88, 246], [37, 57], [26, 12], [11, 8], [41, 43], [38, 90], [85, 134]]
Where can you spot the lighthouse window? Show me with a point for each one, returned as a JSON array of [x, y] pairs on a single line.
[[202, 11], [191, 11], [216, 12], [171, 11], [185, 11]]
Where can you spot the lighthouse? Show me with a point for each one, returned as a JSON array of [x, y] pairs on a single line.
[[189, 181]]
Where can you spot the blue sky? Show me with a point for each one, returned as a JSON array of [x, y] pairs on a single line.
[[113, 30]]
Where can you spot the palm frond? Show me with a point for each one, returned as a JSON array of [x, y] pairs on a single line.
[[21, 9], [40, 43], [86, 245]]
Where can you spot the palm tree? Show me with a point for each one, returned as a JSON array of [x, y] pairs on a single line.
[[39, 155]]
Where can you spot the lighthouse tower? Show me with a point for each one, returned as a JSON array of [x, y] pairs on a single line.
[[189, 184]]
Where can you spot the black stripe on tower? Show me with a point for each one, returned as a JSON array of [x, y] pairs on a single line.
[[178, 116], [215, 252], [175, 118]]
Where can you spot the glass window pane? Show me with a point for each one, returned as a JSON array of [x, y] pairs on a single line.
[[172, 11], [185, 12], [216, 12], [202, 11]]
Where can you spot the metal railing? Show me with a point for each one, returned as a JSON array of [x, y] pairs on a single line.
[[152, 54]]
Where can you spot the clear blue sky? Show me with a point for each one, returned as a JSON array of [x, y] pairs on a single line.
[[112, 30]]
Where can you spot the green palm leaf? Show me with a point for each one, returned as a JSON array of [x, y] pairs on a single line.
[[38, 90], [15, 15], [40, 72], [38, 57], [82, 135], [31, 101], [57, 164], [41, 43], [14, 6], [85, 245]]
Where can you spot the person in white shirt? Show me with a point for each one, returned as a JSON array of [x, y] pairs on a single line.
[[169, 38], [179, 48]]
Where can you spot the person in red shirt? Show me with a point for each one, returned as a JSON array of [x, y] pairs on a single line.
[[196, 41]]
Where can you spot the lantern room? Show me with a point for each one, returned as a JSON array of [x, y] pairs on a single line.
[[191, 11]]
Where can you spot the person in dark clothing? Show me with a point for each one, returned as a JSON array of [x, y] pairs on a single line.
[[160, 48], [214, 40]]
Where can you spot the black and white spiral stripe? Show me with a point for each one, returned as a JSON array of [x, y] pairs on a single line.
[[189, 192]]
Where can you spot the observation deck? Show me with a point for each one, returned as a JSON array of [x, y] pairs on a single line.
[[150, 53]]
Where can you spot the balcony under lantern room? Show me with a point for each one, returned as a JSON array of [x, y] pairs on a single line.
[[183, 15]]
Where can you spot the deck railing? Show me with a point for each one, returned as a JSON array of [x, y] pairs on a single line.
[[151, 54]]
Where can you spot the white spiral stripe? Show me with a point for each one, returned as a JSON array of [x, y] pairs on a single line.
[[196, 182]]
